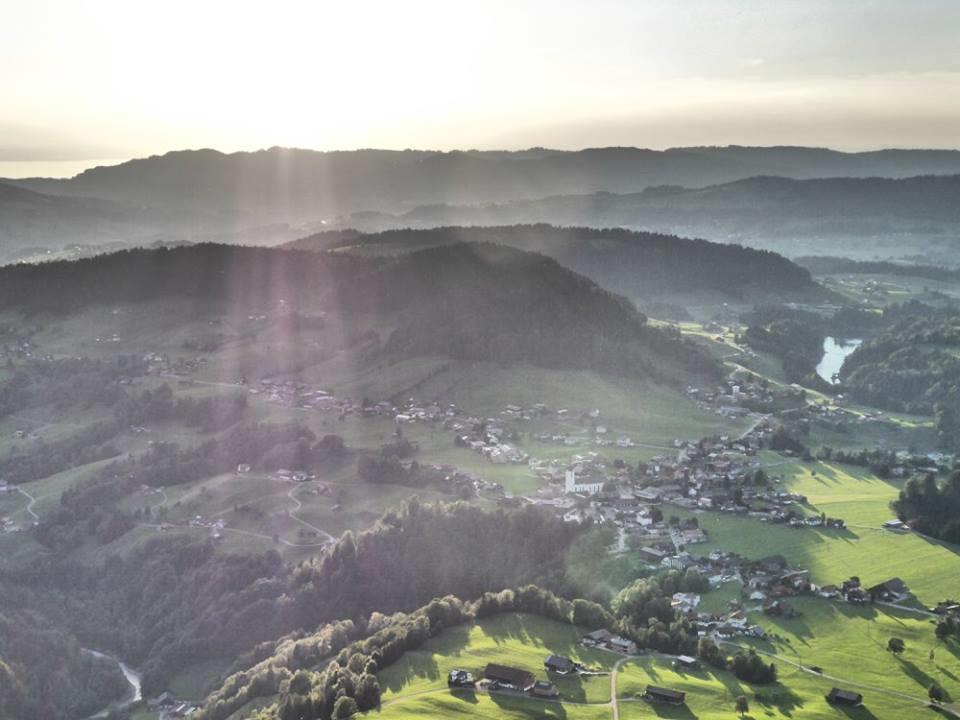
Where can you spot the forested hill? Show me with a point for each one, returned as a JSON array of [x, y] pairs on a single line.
[[639, 265], [468, 301]]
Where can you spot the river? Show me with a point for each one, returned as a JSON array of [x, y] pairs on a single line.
[[835, 351], [133, 677]]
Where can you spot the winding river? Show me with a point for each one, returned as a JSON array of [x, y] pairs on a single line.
[[835, 351], [133, 677]]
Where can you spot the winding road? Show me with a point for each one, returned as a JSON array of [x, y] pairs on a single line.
[[29, 507]]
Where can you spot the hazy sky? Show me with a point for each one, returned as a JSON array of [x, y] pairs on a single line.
[[86, 81]]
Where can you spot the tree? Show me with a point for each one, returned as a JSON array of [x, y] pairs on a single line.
[[896, 645], [344, 708], [935, 693], [743, 706]]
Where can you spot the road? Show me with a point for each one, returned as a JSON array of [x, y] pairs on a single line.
[[32, 500], [614, 701], [330, 538]]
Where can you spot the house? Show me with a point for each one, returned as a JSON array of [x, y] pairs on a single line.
[[773, 563], [684, 602], [890, 591], [622, 645], [598, 637], [559, 664], [651, 555], [163, 700], [460, 679], [664, 695], [686, 662], [837, 696], [544, 689], [505, 675]]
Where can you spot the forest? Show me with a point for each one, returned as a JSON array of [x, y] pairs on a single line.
[[930, 507]]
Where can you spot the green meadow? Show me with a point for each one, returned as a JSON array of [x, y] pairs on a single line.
[[930, 568], [518, 640]]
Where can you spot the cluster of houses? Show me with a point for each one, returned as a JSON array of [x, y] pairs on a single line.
[[503, 678], [854, 592], [169, 707], [293, 394]]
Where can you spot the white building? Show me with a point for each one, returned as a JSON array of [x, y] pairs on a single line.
[[585, 488]]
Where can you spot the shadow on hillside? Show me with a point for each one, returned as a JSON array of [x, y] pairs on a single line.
[[524, 706], [778, 696], [911, 670], [856, 713], [420, 664], [955, 549]]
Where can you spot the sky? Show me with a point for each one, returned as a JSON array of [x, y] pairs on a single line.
[[82, 83]]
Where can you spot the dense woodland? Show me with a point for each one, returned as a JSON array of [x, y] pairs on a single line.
[[931, 508], [634, 264], [912, 366], [43, 672], [499, 304]]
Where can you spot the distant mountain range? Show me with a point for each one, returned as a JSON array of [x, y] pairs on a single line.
[[863, 217], [650, 269], [279, 194]]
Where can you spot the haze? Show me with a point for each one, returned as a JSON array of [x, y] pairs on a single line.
[[85, 83]]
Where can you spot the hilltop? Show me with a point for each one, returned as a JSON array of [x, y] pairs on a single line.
[[468, 301], [642, 266]]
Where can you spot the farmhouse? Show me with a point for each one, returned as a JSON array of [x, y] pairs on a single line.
[[836, 696], [651, 555], [687, 662], [664, 695], [544, 689], [890, 591], [519, 679], [460, 679], [559, 664]]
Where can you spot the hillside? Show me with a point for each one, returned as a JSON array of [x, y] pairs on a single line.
[[853, 216], [467, 301], [642, 266]]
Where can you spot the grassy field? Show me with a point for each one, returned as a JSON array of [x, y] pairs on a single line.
[[848, 643], [522, 641], [481, 707], [929, 567]]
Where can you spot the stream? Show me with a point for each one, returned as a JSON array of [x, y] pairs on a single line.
[[133, 677]]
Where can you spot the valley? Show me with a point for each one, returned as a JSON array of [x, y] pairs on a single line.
[[282, 430]]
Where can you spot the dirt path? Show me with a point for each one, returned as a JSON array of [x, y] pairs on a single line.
[[292, 495], [29, 507]]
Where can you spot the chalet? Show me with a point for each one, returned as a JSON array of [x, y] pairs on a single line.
[[544, 689], [664, 695], [686, 662], [890, 591], [622, 645], [836, 696], [598, 637], [652, 555], [460, 679], [514, 677], [559, 664]]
